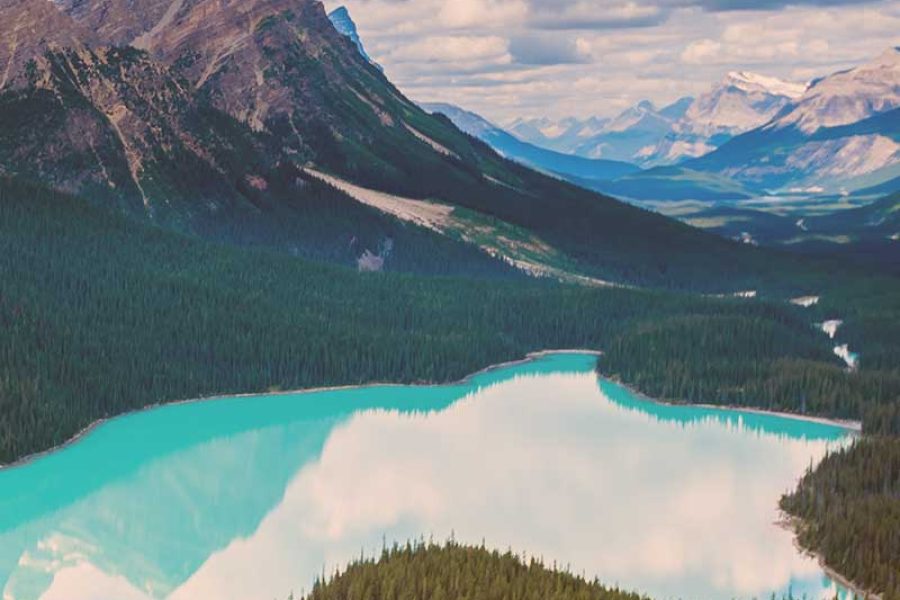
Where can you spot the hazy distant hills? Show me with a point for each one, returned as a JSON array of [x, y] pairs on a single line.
[[748, 135], [651, 136], [542, 159]]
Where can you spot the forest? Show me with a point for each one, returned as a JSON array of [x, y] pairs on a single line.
[[453, 571], [103, 315], [849, 511]]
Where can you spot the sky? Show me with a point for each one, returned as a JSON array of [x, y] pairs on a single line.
[[507, 59]]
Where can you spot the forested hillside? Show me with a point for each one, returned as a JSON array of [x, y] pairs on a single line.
[[737, 360], [102, 315], [850, 511]]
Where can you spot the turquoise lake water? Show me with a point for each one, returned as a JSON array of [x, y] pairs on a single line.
[[252, 497]]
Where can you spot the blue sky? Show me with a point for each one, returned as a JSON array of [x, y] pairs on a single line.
[[512, 58]]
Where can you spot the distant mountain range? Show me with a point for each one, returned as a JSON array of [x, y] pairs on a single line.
[[842, 134], [748, 135], [651, 136], [542, 159]]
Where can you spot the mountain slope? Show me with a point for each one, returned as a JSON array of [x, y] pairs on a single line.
[[210, 127]]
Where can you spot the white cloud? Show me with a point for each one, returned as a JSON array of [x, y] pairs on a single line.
[[510, 58]]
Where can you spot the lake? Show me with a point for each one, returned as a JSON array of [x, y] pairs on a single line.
[[252, 497]]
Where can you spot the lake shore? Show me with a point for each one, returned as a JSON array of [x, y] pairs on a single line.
[[793, 524], [531, 356], [854, 426]]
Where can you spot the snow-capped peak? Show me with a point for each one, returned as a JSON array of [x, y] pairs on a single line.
[[756, 83], [740, 102]]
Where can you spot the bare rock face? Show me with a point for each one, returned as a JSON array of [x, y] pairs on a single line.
[[115, 22], [158, 103], [28, 28], [252, 58], [114, 123]]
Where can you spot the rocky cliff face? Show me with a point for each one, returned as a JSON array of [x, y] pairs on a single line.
[[115, 98], [28, 28]]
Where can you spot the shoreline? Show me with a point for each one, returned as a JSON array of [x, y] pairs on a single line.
[[792, 524], [87, 430], [850, 425], [788, 521], [854, 426]]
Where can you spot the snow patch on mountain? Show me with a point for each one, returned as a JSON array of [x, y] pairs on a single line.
[[753, 83], [740, 102], [805, 301], [848, 96], [831, 327], [851, 358]]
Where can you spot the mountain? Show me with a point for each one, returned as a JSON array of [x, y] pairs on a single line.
[[547, 161], [255, 122], [628, 136], [563, 136], [842, 134], [847, 97], [687, 128], [741, 102], [343, 22]]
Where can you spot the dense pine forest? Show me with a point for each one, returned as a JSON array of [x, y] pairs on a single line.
[[736, 360], [849, 508], [102, 315], [453, 571]]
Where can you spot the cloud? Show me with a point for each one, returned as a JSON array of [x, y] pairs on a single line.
[[588, 14], [453, 49], [727, 5], [701, 51], [512, 58], [547, 50]]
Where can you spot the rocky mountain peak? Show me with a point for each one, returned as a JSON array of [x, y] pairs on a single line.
[[756, 83], [847, 96], [343, 22]]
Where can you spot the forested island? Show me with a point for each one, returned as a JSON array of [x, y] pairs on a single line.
[[453, 571]]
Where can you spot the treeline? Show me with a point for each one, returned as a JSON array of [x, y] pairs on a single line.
[[849, 508], [101, 315], [737, 360], [452, 572]]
